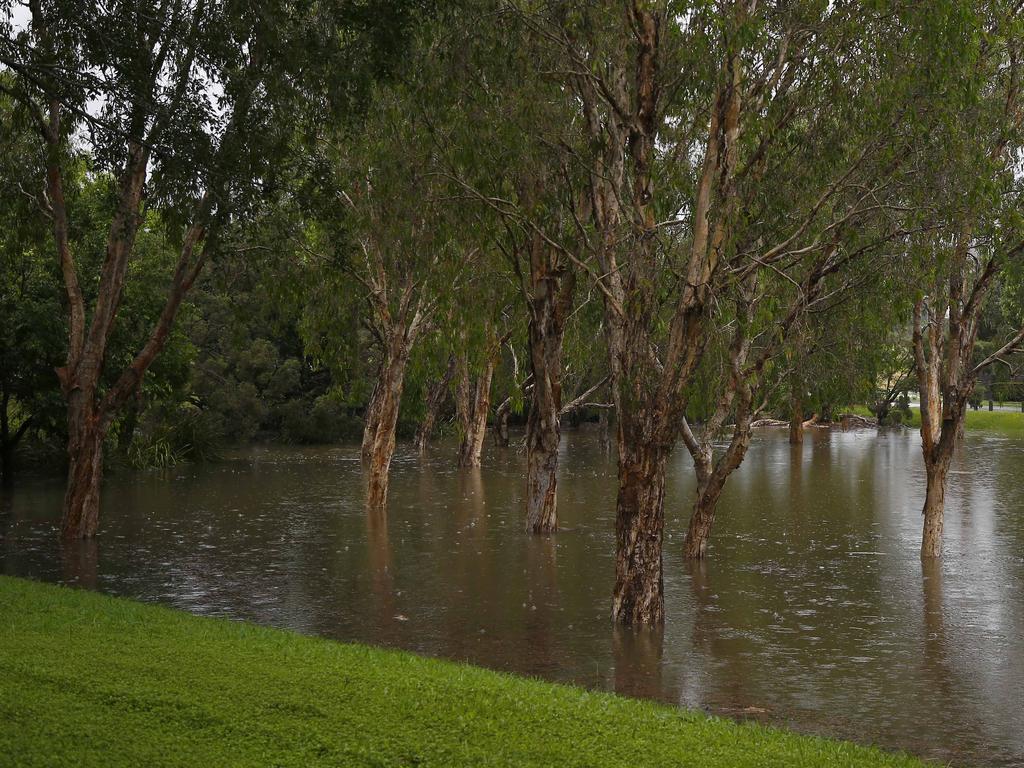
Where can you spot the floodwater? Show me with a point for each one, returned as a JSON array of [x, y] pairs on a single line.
[[814, 611]]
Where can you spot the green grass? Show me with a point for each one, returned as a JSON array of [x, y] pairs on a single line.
[[90, 680], [1009, 423], [858, 410]]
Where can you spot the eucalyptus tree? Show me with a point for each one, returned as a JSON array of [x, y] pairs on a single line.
[[133, 80], [975, 182], [511, 157], [385, 233], [487, 320], [397, 231], [691, 115], [182, 102], [437, 394]]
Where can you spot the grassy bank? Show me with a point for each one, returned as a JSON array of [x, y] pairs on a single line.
[[1010, 423], [87, 679], [1007, 422]]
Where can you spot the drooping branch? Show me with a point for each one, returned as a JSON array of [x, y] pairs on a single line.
[[581, 401]]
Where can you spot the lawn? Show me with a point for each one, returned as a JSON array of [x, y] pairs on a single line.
[[91, 680], [1010, 423]]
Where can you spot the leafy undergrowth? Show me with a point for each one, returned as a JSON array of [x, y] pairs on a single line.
[[90, 680]]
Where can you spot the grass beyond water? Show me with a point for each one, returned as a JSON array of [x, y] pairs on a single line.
[[90, 680], [1009, 423]]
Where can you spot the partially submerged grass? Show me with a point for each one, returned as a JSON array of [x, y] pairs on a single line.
[[90, 680], [1006, 423], [1009, 423]]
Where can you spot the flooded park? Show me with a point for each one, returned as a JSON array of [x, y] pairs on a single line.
[[813, 611]]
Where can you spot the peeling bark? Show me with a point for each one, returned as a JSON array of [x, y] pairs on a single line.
[[550, 293], [474, 416], [473, 400], [934, 508], [638, 597], [379, 446], [648, 391], [86, 433], [397, 329], [943, 351]]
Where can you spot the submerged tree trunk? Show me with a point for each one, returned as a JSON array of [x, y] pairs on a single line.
[[934, 507], [551, 294], [474, 419], [541, 478], [796, 419], [398, 317], [711, 481], [638, 597], [436, 397], [81, 514], [501, 438], [379, 446], [651, 362], [702, 518], [745, 381], [945, 383]]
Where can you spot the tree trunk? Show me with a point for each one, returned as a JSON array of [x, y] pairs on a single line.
[[936, 470], [796, 419], [541, 479], [129, 422], [712, 474], [826, 413], [603, 430], [81, 514], [501, 438], [711, 479], [387, 401], [549, 305], [698, 533], [435, 400], [639, 527], [475, 420], [371, 419]]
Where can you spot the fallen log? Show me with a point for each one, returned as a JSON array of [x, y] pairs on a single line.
[[853, 421], [769, 423]]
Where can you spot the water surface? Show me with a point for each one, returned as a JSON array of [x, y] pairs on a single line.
[[814, 611]]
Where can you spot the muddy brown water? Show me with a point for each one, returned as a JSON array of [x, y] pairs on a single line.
[[814, 611]]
